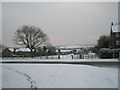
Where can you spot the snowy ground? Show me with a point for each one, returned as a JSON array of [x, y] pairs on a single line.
[[58, 76]]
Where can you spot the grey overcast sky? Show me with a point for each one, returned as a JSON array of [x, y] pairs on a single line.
[[65, 23]]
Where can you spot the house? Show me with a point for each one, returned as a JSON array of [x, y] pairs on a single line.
[[2, 48], [26, 52], [50, 50], [64, 51], [115, 35], [10, 52], [7, 53]]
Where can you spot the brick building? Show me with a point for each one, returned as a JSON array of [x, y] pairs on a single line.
[[115, 35]]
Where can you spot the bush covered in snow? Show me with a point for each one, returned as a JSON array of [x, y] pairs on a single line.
[[109, 53]]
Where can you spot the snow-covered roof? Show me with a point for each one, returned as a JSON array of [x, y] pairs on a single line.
[[23, 50], [20, 49], [116, 28], [64, 50]]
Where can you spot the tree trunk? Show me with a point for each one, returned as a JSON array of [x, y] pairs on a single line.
[[31, 53]]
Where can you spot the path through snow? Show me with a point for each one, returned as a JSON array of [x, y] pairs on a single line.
[[29, 79]]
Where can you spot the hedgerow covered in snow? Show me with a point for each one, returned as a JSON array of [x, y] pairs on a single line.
[[109, 53]]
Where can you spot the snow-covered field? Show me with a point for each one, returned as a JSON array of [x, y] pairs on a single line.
[[58, 76]]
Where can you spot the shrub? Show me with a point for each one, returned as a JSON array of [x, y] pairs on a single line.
[[108, 53]]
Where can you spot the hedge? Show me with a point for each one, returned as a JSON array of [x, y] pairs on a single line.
[[108, 53]]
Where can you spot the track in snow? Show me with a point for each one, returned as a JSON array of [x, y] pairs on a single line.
[[29, 79]]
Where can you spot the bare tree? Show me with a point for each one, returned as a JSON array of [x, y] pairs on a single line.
[[31, 37]]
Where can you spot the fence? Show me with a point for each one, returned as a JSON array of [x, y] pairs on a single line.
[[70, 56], [83, 56]]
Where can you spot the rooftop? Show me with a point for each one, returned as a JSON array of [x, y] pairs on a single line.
[[20, 49], [116, 28]]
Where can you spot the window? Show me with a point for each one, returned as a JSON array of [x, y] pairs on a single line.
[[117, 34], [118, 42]]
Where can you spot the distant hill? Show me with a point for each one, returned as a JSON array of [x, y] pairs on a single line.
[[75, 46]]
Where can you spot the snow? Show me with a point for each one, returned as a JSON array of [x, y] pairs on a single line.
[[64, 51], [23, 49], [20, 49], [13, 79], [11, 49], [58, 76]]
